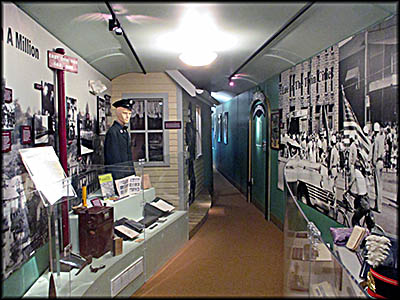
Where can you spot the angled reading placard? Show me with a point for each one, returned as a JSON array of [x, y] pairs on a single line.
[[47, 174]]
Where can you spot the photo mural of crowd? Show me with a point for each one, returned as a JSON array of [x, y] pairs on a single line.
[[24, 215], [344, 127]]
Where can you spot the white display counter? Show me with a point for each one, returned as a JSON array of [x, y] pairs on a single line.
[[152, 249]]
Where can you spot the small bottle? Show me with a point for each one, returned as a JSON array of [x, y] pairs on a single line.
[[84, 196]]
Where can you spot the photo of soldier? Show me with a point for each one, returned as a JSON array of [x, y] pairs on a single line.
[[48, 105], [378, 154], [72, 122]]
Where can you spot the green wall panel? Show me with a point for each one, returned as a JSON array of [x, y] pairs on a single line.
[[232, 159], [277, 199]]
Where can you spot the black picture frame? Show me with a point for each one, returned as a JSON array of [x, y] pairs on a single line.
[[219, 127], [48, 105], [40, 130], [101, 116], [275, 130], [72, 118], [107, 99], [225, 127]]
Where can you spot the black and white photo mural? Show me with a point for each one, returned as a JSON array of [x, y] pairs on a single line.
[[339, 128], [24, 217]]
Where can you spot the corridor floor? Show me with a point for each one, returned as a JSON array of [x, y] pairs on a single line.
[[236, 253]]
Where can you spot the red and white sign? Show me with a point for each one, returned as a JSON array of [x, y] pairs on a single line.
[[26, 134], [62, 62], [6, 139]]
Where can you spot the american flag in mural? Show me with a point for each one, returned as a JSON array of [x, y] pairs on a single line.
[[352, 128]]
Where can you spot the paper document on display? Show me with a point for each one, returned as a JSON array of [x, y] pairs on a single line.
[[129, 185], [46, 172], [162, 205]]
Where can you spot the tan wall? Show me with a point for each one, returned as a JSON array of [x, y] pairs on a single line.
[[163, 179]]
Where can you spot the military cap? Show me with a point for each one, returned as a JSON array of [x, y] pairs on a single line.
[[127, 103]]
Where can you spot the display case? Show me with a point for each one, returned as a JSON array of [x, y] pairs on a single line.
[[120, 232], [312, 267]]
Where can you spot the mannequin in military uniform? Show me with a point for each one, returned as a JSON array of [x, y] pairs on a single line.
[[117, 144]]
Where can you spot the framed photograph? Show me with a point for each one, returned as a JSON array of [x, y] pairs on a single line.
[[107, 99], [225, 127], [101, 116], [40, 130], [219, 127], [275, 130], [26, 134], [6, 139], [85, 131], [72, 119], [7, 96], [48, 105], [96, 202], [8, 117]]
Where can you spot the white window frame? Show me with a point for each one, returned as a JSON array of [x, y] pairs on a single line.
[[199, 151], [152, 97]]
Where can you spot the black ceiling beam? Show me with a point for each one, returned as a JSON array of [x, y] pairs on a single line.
[[272, 38], [126, 38]]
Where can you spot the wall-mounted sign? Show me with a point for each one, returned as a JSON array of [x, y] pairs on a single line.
[[26, 134], [6, 139], [172, 125], [7, 95], [62, 62]]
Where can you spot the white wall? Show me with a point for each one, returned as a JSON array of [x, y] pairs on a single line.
[[21, 70]]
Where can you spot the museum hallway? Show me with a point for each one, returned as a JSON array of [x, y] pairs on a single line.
[[236, 252]]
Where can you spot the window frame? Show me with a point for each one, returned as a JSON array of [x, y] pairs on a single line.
[[152, 97]]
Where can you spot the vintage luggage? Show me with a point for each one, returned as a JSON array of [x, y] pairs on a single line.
[[96, 230]]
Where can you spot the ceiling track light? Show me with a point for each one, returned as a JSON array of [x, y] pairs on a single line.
[[114, 21], [113, 25]]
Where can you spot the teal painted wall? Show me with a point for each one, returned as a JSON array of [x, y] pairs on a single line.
[[232, 160], [206, 146], [277, 197]]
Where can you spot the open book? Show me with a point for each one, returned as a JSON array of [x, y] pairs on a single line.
[[162, 205], [356, 237]]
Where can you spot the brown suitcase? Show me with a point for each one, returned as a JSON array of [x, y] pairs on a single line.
[[96, 232]]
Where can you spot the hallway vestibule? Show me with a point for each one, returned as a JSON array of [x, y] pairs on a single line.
[[235, 253]]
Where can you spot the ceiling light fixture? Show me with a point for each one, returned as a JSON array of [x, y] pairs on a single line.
[[113, 25], [198, 58], [197, 39]]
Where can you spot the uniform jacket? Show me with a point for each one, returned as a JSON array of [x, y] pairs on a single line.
[[117, 152]]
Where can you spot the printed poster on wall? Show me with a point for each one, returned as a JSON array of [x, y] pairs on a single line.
[[340, 120]]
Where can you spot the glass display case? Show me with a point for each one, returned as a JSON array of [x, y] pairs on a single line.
[[311, 266], [120, 232]]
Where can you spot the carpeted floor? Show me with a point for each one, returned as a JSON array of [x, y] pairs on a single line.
[[236, 253]]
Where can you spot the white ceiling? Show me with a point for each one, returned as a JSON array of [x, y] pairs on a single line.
[[84, 28]]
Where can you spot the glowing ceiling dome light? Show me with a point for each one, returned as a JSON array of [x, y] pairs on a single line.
[[196, 30], [198, 58]]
